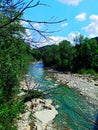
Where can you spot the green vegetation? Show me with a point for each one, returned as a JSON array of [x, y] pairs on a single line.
[[82, 57], [16, 54], [30, 95], [14, 57], [8, 113]]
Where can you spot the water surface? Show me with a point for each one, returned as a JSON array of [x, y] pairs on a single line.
[[74, 110]]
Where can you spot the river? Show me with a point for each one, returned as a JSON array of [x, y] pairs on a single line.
[[74, 110]]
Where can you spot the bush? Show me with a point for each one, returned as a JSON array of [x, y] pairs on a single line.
[[31, 95], [89, 71], [8, 113]]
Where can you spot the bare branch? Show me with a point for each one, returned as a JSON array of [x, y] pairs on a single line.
[[36, 35], [16, 17], [44, 22]]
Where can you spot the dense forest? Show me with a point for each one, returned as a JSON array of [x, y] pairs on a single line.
[[82, 57]]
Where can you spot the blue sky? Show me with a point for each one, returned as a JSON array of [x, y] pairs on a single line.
[[81, 15]]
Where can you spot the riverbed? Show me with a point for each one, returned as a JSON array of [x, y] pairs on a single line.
[[75, 111]]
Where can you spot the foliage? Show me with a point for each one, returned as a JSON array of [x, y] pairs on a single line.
[[31, 95], [50, 55], [59, 56], [89, 71], [36, 54], [8, 113], [65, 50], [14, 56], [83, 57], [14, 52], [86, 55]]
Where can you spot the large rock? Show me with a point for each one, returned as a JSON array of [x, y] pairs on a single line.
[[45, 116], [44, 113]]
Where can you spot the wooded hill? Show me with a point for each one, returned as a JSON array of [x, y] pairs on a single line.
[[80, 57]]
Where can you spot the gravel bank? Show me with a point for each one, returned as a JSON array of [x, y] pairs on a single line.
[[87, 85]]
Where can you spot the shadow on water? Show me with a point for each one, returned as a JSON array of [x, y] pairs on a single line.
[[96, 126]]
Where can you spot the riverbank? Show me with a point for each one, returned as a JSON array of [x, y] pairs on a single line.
[[67, 116], [39, 113], [86, 85]]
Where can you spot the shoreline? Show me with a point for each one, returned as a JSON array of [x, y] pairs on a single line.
[[86, 85], [43, 112], [39, 113]]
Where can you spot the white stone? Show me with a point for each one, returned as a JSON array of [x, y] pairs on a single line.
[[48, 101], [45, 115]]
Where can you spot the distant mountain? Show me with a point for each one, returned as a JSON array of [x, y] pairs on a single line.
[[42, 48]]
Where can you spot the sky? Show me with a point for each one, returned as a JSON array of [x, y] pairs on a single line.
[[81, 18]]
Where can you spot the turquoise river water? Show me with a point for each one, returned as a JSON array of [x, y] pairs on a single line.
[[74, 111]]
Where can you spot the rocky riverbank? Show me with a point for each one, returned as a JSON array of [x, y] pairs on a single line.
[[39, 113], [87, 85]]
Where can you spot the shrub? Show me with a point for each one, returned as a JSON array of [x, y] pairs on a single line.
[[8, 113]]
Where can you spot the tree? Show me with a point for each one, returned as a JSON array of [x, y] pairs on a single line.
[[89, 52], [56, 57], [65, 50], [77, 62], [59, 56], [85, 56], [36, 54], [13, 56], [47, 56], [79, 39]]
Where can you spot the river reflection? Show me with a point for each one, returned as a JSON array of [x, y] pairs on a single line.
[[74, 110]]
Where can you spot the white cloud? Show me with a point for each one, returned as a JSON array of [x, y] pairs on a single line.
[[64, 24], [94, 18], [28, 36], [28, 32], [92, 27], [37, 26], [57, 39], [24, 23], [81, 17], [51, 40], [70, 2], [71, 37]]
